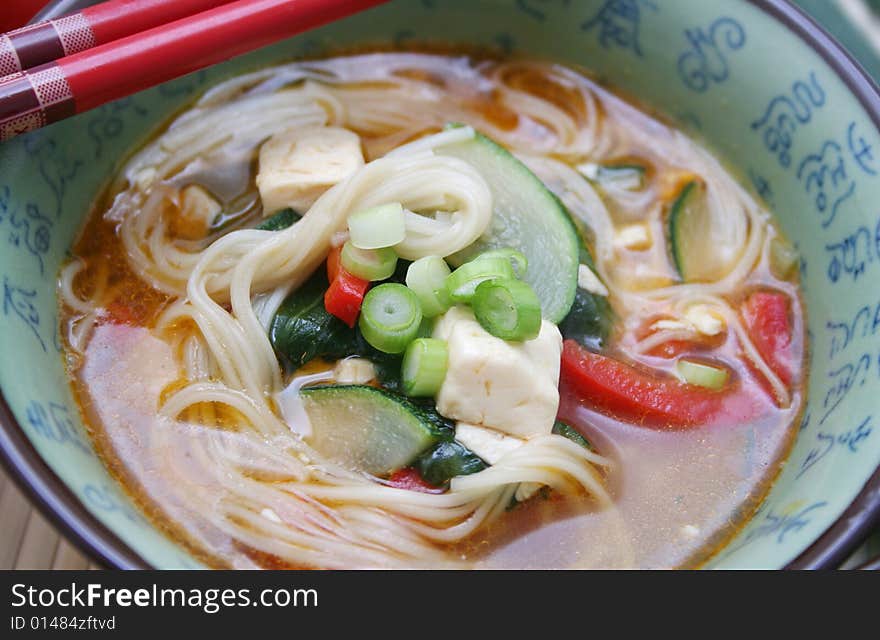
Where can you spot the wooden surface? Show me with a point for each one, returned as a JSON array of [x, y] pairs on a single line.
[[27, 540]]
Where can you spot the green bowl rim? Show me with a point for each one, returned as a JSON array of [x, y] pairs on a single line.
[[59, 504]]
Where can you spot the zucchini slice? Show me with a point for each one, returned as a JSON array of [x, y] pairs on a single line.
[[367, 429], [690, 228], [526, 217]]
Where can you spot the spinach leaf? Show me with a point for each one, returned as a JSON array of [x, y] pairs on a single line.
[[446, 461], [303, 330], [567, 431], [590, 318], [280, 220]]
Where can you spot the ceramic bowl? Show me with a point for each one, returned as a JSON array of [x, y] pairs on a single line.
[[755, 79]]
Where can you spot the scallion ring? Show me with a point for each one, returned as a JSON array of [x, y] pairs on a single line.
[[701, 374], [424, 367], [461, 283], [426, 277], [390, 317], [377, 227], [368, 264], [508, 309], [517, 258]]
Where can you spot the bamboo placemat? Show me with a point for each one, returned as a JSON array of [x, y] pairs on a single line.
[[27, 540]]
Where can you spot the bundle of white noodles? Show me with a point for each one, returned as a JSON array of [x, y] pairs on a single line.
[[266, 488]]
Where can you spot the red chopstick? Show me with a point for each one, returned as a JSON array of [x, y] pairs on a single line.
[[79, 82], [43, 42]]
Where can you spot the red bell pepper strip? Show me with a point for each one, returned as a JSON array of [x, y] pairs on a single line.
[[345, 295], [644, 398], [334, 263], [768, 322], [410, 478]]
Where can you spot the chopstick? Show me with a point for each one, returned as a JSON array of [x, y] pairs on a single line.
[[49, 40], [34, 98]]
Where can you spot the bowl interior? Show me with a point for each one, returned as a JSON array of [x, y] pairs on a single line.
[[729, 72]]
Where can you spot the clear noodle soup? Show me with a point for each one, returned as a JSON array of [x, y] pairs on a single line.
[[688, 395]]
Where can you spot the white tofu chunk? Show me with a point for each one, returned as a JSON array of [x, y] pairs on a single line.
[[489, 444], [299, 165], [196, 214], [636, 237], [507, 386], [589, 281], [354, 371], [704, 320]]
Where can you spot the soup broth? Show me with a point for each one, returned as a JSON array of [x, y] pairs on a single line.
[[688, 397]]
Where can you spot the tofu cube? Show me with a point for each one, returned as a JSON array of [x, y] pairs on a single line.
[[508, 386], [489, 444], [589, 281], [297, 166], [197, 211], [635, 237], [354, 370]]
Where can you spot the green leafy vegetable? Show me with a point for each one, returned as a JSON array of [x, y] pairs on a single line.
[[367, 429], [303, 330], [590, 320], [280, 220], [567, 431], [446, 461]]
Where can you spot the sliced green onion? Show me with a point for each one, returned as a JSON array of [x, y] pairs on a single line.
[[461, 283], [368, 264], [508, 309], [702, 375], [377, 227], [390, 317], [519, 261], [427, 277], [424, 367], [783, 258], [426, 329], [630, 177]]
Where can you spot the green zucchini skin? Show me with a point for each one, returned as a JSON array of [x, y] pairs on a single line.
[[689, 226], [526, 217], [676, 215]]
